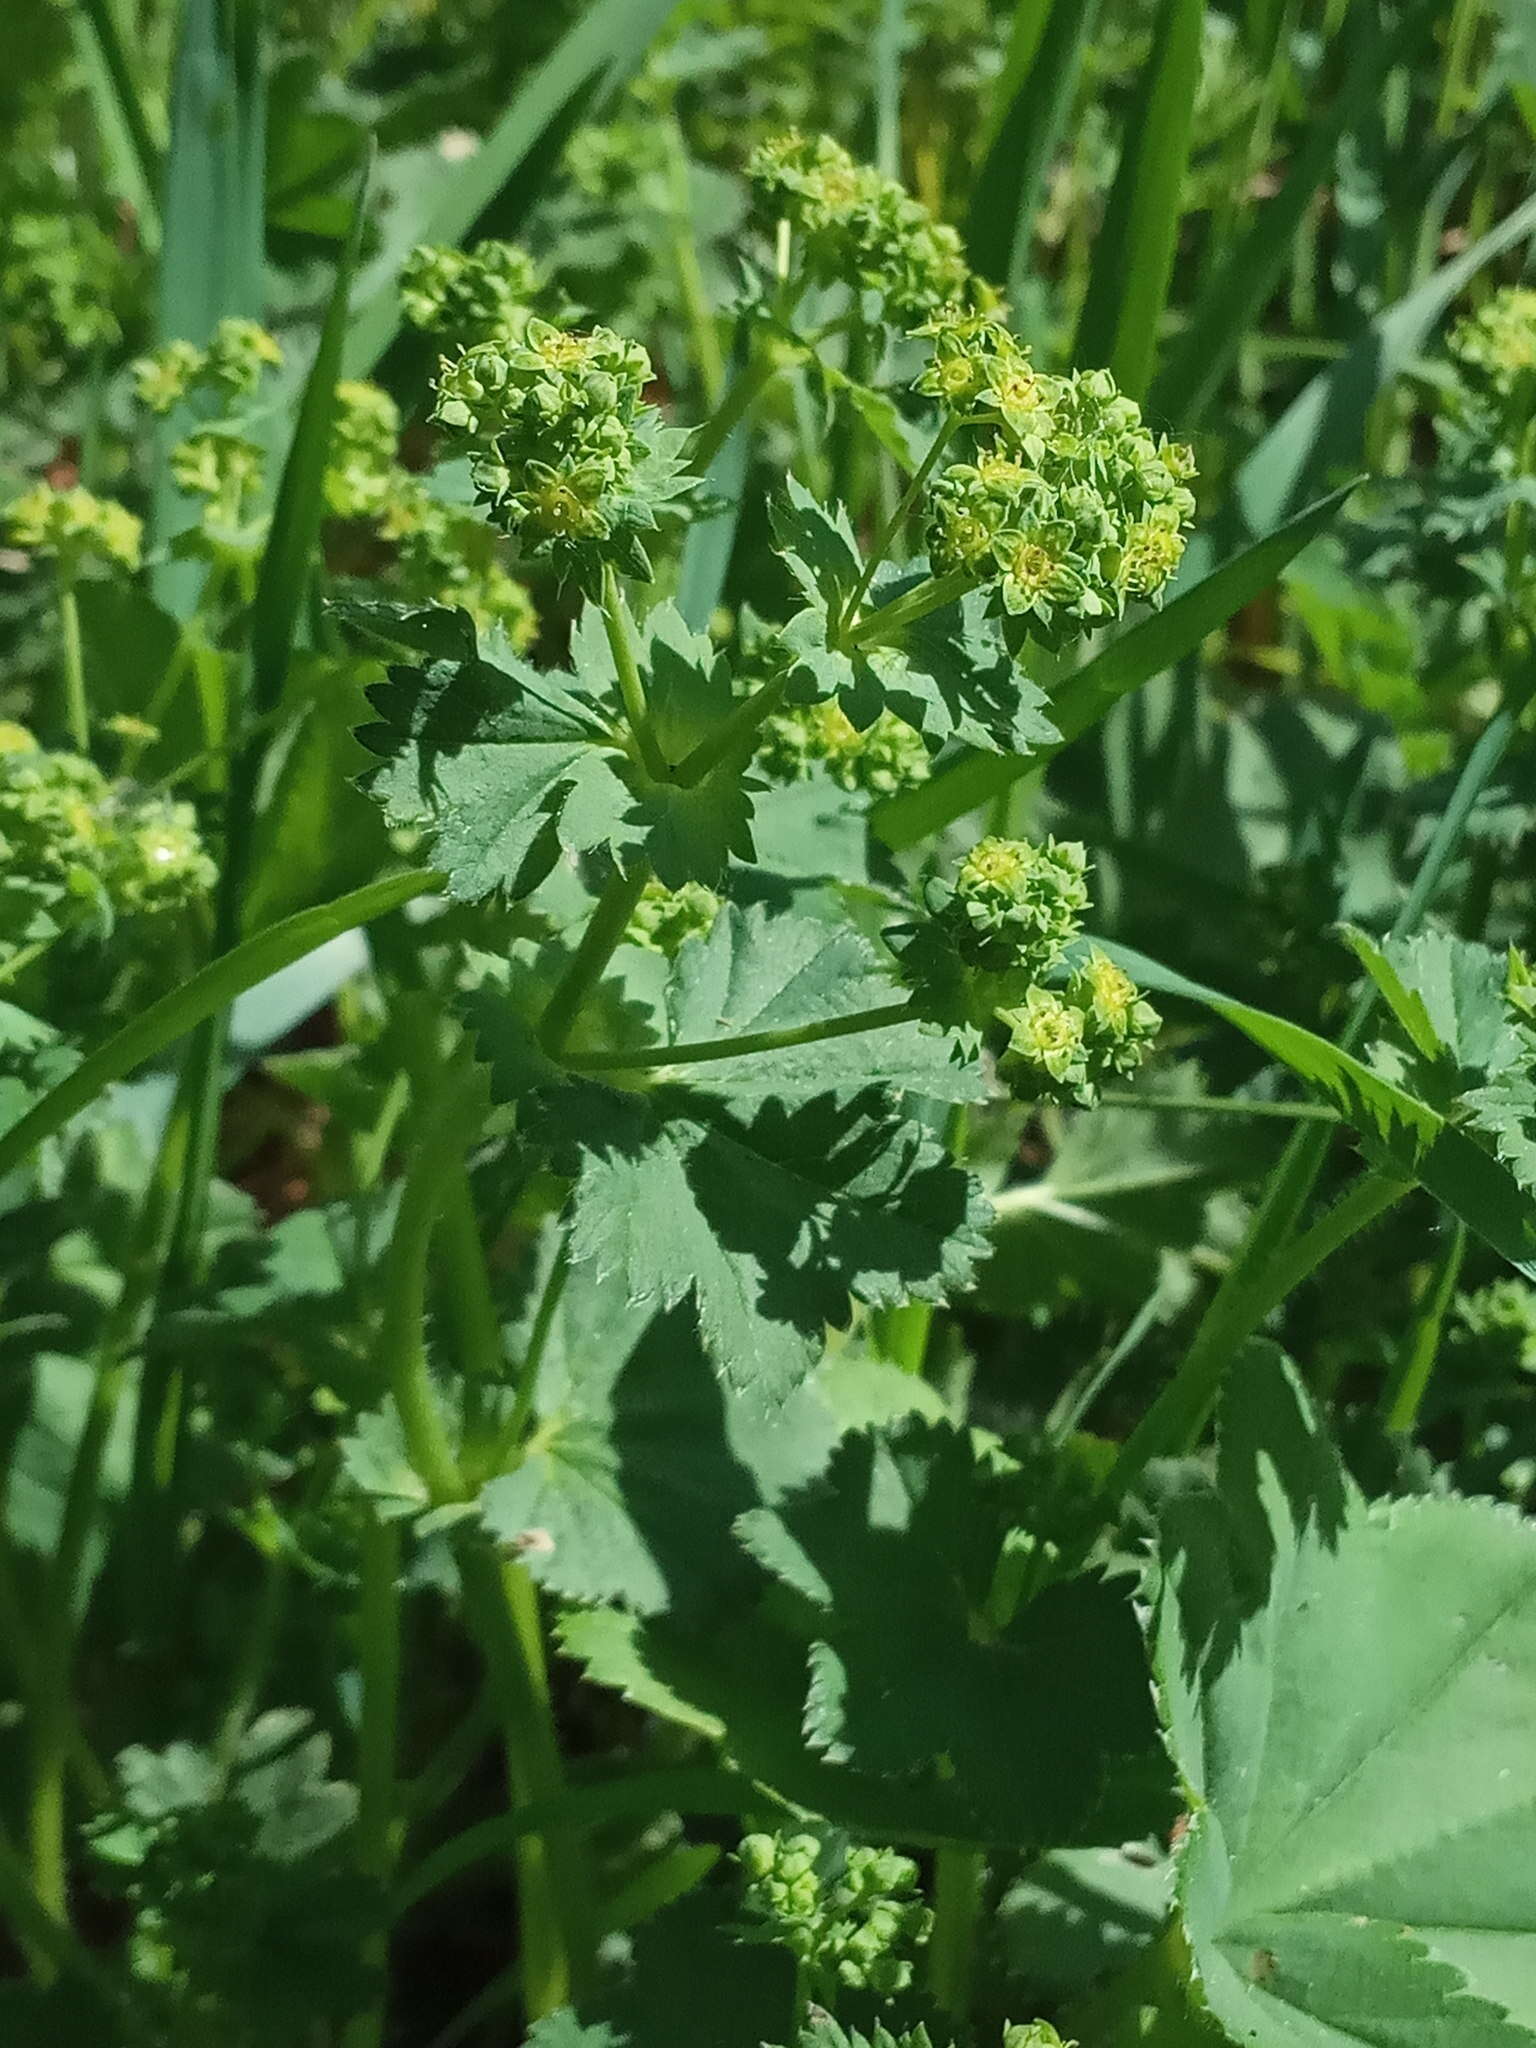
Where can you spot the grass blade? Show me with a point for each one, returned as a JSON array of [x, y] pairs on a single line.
[[1234, 298], [294, 538], [214, 258], [1406, 1135], [120, 112], [1133, 258], [491, 191], [1000, 225], [1088, 694], [1324, 426], [886, 53], [213, 250], [208, 992]]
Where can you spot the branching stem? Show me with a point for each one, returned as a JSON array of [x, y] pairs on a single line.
[[741, 1047], [620, 628]]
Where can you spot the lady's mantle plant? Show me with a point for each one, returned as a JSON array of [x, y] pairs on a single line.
[[592, 1301], [645, 764]]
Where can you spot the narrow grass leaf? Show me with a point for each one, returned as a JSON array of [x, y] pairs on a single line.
[[1011, 182], [1401, 1133], [207, 993], [1133, 258], [1231, 304], [212, 215], [289, 555], [121, 113]]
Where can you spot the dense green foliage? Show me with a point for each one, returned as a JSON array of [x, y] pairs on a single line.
[[767, 1025]]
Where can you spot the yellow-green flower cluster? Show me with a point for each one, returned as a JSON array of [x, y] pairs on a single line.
[[1496, 345], [1014, 905], [75, 527], [853, 1920], [664, 918], [995, 938], [220, 465], [360, 473], [469, 295], [59, 274], [1067, 507], [881, 759], [1037, 2034], [229, 369], [855, 226], [160, 862], [1066, 1046], [1499, 1322], [562, 445], [75, 849]]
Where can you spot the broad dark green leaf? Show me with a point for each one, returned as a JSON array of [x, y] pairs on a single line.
[[756, 971], [641, 1461], [881, 1695], [769, 1222]]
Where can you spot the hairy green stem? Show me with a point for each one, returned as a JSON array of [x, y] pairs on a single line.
[[439, 1156], [555, 1892], [22, 959], [125, 1327], [1219, 1105], [470, 1302], [51, 1947], [735, 735], [620, 628], [1414, 1365], [884, 627], [1455, 87], [555, 1888], [600, 940], [960, 1877], [709, 358], [762, 366], [892, 525], [692, 1054], [376, 1836], [510, 1437]]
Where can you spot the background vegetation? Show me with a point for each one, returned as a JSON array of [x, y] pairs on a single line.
[[616, 1533]]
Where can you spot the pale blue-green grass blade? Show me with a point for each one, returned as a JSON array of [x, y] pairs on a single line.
[[212, 260]]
